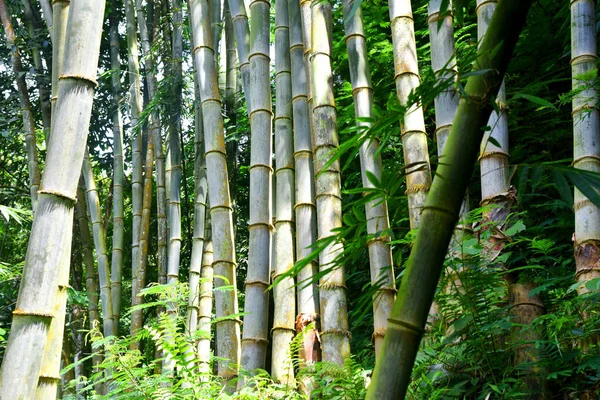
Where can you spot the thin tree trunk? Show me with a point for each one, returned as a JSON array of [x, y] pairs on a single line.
[[256, 305], [378, 225], [99, 234], [118, 172], [586, 139], [224, 263], [76, 317], [414, 138], [283, 331], [306, 216], [409, 316], [335, 334], [135, 104], [26, 110], [50, 240]]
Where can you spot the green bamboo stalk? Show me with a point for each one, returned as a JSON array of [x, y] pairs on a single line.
[[26, 110], [283, 292], [224, 263], [99, 234], [305, 208], [256, 305], [414, 138], [335, 334], [50, 240], [407, 322], [586, 139], [378, 225], [118, 175]]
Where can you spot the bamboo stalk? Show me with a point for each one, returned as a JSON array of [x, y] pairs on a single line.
[[335, 334], [26, 110], [305, 208], [224, 263], [378, 225], [215, 24], [205, 304], [283, 292], [242, 42], [59, 15], [586, 139], [407, 321], [118, 176], [50, 240]]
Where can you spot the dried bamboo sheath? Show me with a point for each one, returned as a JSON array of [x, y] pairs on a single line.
[[586, 138], [380, 254]]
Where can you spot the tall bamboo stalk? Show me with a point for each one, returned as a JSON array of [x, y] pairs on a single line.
[[335, 334], [305, 208], [224, 263], [414, 138], [99, 234], [215, 24], [26, 111], [283, 292], [493, 160], [118, 173], [242, 42], [135, 104], [407, 321], [159, 158], [586, 138], [378, 225], [50, 240], [59, 15], [47, 14], [256, 306], [205, 304]]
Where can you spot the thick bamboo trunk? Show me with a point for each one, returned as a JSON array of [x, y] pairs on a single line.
[[335, 334], [256, 305], [242, 42], [99, 234], [118, 176], [306, 23], [26, 110], [283, 292], [50, 240], [378, 225], [409, 316], [586, 139], [159, 158], [91, 285], [224, 263], [493, 160], [305, 208], [414, 138]]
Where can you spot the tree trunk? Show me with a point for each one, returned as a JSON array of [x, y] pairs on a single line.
[[26, 111], [306, 217], [99, 234], [335, 334], [283, 292], [50, 240], [407, 321], [224, 263], [414, 138], [118, 172], [586, 139], [378, 225]]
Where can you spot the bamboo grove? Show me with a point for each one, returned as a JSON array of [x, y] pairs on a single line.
[[299, 199]]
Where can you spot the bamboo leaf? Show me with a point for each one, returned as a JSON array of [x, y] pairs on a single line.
[[563, 187], [536, 100]]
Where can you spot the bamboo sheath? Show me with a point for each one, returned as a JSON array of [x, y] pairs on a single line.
[[378, 225], [283, 292], [335, 334], [135, 104], [224, 262], [118, 176], [304, 208], [242, 42], [159, 158], [493, 160], [25, 103], [99, 235], [256, 306], [50, 240], [414, 138], [407, 321], [586, 138]]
